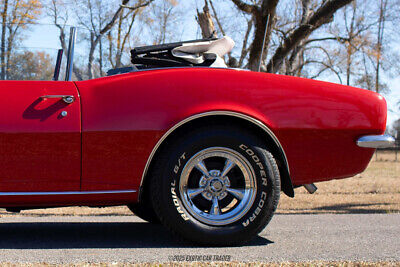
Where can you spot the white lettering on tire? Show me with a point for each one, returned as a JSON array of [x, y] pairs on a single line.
[[257, 161], [264, 179], [177, 166], [257, 210], [175, 199]]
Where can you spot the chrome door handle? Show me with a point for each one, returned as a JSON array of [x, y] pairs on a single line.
[[69, 99]]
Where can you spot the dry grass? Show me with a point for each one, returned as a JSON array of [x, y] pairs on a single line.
[[377, 190], [68, 211]]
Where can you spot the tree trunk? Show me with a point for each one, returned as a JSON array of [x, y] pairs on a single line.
[[101, 52], [101, 57], [206, 23], [297, 53], [3, 41], [263, 16], [348, 64], [322, 16], [381, 29], [10, 42], [256, 47], [119, 42], [93, 44], [245, 49]]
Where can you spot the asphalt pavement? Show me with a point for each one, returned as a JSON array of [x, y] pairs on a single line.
[[108, 239]]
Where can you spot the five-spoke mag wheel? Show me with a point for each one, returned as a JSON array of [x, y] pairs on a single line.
[[217, 186]]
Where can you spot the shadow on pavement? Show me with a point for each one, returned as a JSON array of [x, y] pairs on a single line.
[[354, 208], [350, 208], [93, 235]]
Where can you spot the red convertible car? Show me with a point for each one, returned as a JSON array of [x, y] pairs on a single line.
[[204, 151]]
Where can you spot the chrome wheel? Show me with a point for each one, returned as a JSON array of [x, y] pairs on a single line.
[[217, 186]]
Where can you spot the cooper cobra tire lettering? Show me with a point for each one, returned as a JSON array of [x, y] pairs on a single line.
[[175, 199], [257, 210], [263, 174], [257, 161]]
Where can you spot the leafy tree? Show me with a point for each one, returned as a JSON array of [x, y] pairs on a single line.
[[16, 15], [30, 65]]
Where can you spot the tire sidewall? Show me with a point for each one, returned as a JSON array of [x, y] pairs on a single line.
[[262, 208]]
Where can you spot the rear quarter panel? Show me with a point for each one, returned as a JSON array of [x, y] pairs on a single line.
[[317, 123]]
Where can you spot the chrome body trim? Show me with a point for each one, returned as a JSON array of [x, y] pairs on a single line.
[[376, 141], [66, 193], [206, 114], [70, 55], [69, 99]]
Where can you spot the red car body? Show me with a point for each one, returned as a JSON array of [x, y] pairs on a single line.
[[98, 151]]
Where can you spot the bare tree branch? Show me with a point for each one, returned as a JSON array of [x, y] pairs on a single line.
[[340, 39], [245, 49], [107, 28], [137, 6], [326, 67], [322, 16], [249, 9], [111, 23], [216, 18], [54, 12]]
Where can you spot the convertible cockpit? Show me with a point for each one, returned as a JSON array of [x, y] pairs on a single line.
[[194, 53]]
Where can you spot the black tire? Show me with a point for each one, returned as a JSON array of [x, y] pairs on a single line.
[[145, 211], [170, 198]]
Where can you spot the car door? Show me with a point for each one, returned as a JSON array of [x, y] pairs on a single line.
[[40, 136]]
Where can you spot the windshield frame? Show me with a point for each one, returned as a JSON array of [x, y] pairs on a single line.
[[70, 55]]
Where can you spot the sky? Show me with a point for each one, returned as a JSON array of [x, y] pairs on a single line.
[[46, 37]]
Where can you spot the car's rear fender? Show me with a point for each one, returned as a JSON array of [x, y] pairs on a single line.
[[316, 123], [238, 119]]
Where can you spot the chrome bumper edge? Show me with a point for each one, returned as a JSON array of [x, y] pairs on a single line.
[[376, 141]]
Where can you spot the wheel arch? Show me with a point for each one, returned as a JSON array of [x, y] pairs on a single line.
[[224, 116]]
